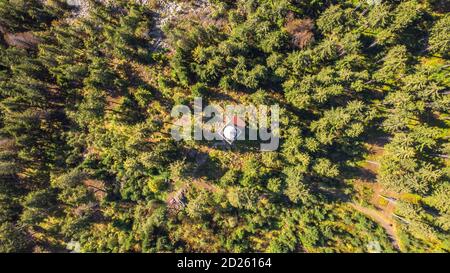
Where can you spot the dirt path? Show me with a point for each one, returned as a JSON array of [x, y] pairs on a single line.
[[382, 220]]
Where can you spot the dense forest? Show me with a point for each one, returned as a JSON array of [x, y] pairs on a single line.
[[87, 162]]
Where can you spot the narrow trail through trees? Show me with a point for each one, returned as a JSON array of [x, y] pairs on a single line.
[[382, 220]]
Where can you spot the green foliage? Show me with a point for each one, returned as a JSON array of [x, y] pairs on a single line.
[[86, 154], [439, 40], [21, 15]]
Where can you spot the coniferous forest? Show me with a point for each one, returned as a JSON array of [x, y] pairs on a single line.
[[88, 164]]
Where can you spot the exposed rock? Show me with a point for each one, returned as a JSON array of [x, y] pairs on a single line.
[[24, 40]]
